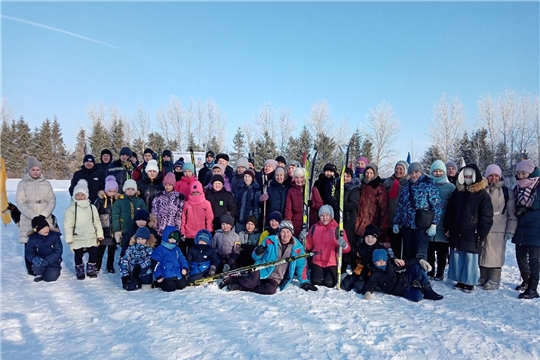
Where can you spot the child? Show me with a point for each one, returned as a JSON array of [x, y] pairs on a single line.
[[135, 265], [167, 206], [123, 212], [249, 238], [171, 264], [273, 226], [202, 257], [196, 215], [142, 219], [104, 204], [413, 283], [247, 199], [83, 231], [227, 243], [44, 250], [185, 184]]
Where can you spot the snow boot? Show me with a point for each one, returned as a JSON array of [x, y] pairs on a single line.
[[459, 286], [494, 279], [484, 276], [91, 270], [38, 278], [531, 291], [429, 293], [523, 285], [467, 288], [79, 271]]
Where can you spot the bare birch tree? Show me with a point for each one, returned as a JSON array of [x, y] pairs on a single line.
[[320, 119], [507, 114], [264, 120], [383, 128], [217, 126], [488, 117], [343, 133], [286, 128], [447, 125]]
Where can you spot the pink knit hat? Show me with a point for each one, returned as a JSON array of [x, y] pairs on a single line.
[[526, 165], [169, 179], [493, 169]]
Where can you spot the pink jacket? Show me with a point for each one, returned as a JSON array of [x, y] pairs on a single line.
[[323, 239], [183, 186], [196, 215]]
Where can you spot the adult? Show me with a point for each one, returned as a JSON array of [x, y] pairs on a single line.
[[105, 160], [178, 169], [361, 163], [206, 168], [351, 198], [151, 184], [122, 168], [222, 201], [493, 249], [276, 193], [469, 217], [219, 169], [166, 161], [247, 200], [35, 197], [393, 186], [139, 171], [223, 159], [134, 159], [452, 172], [240, 166], [281, 161], [328, 186], [93, 176], [528, 226], [291, 167]]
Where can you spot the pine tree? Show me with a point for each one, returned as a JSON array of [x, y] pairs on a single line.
[[430, 155], [9, 152], [214, 145], [172, 145], [99, 138], [265, 149], [138, 145], [327, 152], [156, 142], [501, 159], [116, 137], [464, 149], [299, 146], [191, 142], [480, 151], [367, 149], [355, 146], [60, 155], [239, 145], [23, 147], [44, 148], [75, 158]]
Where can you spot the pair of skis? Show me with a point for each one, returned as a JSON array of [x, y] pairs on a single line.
[[309, 165], [344, 162]]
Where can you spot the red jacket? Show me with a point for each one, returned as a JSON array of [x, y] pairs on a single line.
[[322, 238], [197, 215], [183, 186], [294, 207]]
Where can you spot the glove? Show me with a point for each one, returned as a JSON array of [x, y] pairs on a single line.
[[309, 203], [508, 236], [37, 261], [118, 236], [263, 197], [260, 250], [226, 268], [302, 236], [182, 238], [342, 243], [125, 281], [212, 270], [395, 229], [425, 265], [307, 286], [432, 230], [368, 296]]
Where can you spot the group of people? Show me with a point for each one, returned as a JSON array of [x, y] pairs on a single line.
[[175, 225]]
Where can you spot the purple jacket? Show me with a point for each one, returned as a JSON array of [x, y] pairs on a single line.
[[167, 208]]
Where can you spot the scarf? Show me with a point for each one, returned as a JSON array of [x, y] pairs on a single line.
[[394, 191], [525, 191], [168, 245]]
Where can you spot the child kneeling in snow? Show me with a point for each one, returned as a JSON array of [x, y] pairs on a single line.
[[227, 244], [136, 264], [202, 257], [44, 250], [171, 264], [388, 275]]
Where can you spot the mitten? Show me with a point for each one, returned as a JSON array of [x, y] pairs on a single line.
[[226, 268], [425, 265], [368, 295], [37, 261], [260, 250], [395, 229], [432, 230], [342, 243], [118, 236], [302, 236], [263, 197], [508, 236], [307, 286], [212, 270], [182, 238]]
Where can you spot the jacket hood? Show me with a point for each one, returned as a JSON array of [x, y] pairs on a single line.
[[477, 174], [475, 187], [167, 231], [353, 184]]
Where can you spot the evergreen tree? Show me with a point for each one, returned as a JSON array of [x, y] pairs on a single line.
[[464, 150], [44, 148], [239, 145], [60, 155], [367, 149], [23, 140], [480, 150], [327, 152], [116, 137], [172, 145], [430, 156], [355, 149], [299, 146], [214, 145], [76, 157], [99, 138], [138, 145], [501, 159], [9, 152], [265, 149], [156, 142]]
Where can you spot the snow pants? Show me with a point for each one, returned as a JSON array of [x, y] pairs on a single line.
[[253, 283], [323, 276]]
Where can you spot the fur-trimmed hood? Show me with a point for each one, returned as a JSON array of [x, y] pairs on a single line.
[[150, 243], [473, 188]]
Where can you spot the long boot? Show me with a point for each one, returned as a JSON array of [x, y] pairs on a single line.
[[523, 285], [531, 291], [91, 270], [494, 279], [79, 271], [484, 276], [429, 294]]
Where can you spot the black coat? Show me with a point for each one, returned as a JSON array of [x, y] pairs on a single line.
[[350, 206], [120, 171], [277, 193], [222, 202], [326, 187], [148, 189], [95, 179]]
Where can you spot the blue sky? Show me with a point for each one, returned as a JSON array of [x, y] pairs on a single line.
[[245, 54]]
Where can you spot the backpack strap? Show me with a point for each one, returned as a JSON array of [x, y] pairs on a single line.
[[506, 197]]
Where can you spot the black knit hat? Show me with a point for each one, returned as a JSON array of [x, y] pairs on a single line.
[[209, 153], [371, 230], [141, 214], [281, 158], [167, 153], [222, 156], [126, 151], [38, 223], [89, 157], [349, 171], [219, 178], [330, 167], [148, 151]]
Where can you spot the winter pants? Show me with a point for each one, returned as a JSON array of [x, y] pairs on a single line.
[[463, 267], [172, 284], [244, 258], [111, 249], [92, 255], [49, 273], [415, 272], [396, 241], [352, 282], [324, 276], [437, 250], [530, 268], [253, 283], [415, 243], [185, 245], [195, 277]]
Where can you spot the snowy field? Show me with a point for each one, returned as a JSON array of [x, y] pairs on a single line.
[[97, 319]]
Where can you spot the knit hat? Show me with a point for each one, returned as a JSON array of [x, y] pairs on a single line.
[[81, 187], [189, 167], [196, 186], [178, 163], [251, 161], [217, 178], [362, 158], [149, 151], [293, 163], [141, 214], [166, 153], [227, 219], [126, 151], [129, 183], [371, 230], [89, 157], [169, 179], [349, 171], [134, 154], [272, 163], [152, 165], [222, 156], [326, 209], [437, 165], [380, 254], [142, 232], [252, 219], [525, 165], [110, 183], [451, 164], [203, 235], [493, 169], [286, 224], [39, 222], [33, 162], [220, 167], [404, 164], [209, 153], [373, 167], [330, 167], [241, 162], [281, 159], [415, 166], [250, 173], [106, 151], [174, 235], [275, 215]]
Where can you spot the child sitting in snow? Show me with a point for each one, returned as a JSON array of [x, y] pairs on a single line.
[[104, 204], [142, 219], [388, 275], [83, 231], [44, 250], [171, 264], [227, 243], [249, 238], [135, 265], [202, 257]]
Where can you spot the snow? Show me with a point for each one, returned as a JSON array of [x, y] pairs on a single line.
[[72, 319]]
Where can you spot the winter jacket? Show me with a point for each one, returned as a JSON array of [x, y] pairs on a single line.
[[222, 201], [266, 233], [528, 224], [123, 212], [322, 239], [296, 268], [446, 188], [104, 205], [372, 208], [183, 186], [170, 262], [504, 222], [294, 207], [425, 195], [197, 215], [204, 171], [95, 179], [148, 189], [226, 185], [229, 174], [129, 237], [247, 202], [167, 209], [350, 207], [364, 258], [82, 225], [276, 197], [121, 171], [329, 191], [167, 167], [393, 203], [392, 280], [34, 197], [469, 215], [201, 257], [48, 248], [226, 243], [137, 254], [236, 181], [247, 238]]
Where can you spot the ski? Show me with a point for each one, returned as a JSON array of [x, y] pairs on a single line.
[[192, 153], [344, 161], [248, 269], [305, 210]]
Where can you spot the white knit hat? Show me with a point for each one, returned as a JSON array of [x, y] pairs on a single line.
[[81, 187], [129, 184]]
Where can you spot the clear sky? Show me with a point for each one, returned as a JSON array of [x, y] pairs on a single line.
[[59, 57]]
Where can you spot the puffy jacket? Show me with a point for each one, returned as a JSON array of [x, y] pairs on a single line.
[[149, 188], [276, 197], [326, 187], [167, 208], [48, 248], [94, 178], [137, 254], [528, 225], [170, 262], [226, 243], [350, 206], [294, 207], [196, 215], [372, 208], [222, 201], [123, 213], [183, 186], [247, 202], [393, 203], [201, 257], [104, 205], [322, 239], [249, 238], [446, 188], [121, 171], [82, 225]]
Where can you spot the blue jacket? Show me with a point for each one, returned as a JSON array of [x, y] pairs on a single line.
[[528, 225], [276, 197], [426, 196], [137, 254], [247, 201], [297, 268], [201, 257], [170, 262], [46, 247]]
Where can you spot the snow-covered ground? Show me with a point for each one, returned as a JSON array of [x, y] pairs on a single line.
[[97, 319]]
